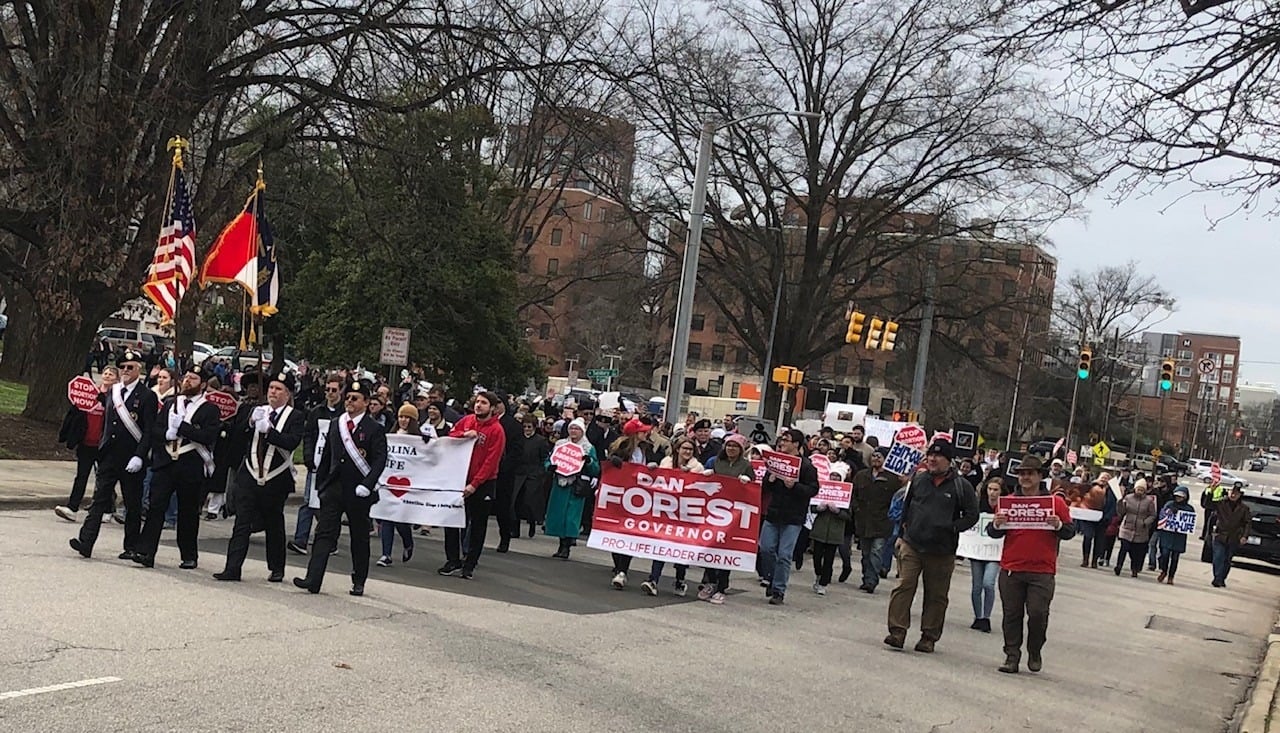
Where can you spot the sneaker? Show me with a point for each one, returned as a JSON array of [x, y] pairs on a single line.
[[816, 586], [820, 590], [705, 592], [67, 513], [450, 568], [408, 554], [716, 598], [619, 581], [468, 573], [649, 587], [765, 582], [776, 599], [296, 548], [681, 588], [117, 517], [384, 561]]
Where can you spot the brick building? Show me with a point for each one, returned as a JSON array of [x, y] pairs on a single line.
[[1203, 405]]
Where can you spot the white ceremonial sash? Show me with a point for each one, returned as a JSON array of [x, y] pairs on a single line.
[[361, 464], [188, 445], [122, 412], [285, 465]]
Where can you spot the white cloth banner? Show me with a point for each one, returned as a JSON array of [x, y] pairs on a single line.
[[313, 498], [883, 430], [423, 481]]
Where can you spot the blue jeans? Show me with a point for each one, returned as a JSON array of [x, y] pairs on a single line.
[[1152, 549], [983, 595], [886, 555], [655, 571], [777, 544], [388, 531], [872, 560], [302, 532], [1091, 540], [1222, 554]]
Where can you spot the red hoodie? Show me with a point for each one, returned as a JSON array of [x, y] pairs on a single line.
[[491, 443]]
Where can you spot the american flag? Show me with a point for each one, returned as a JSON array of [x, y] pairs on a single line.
[[175, 258]]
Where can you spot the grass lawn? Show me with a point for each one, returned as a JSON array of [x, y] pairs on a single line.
[[13, 397]]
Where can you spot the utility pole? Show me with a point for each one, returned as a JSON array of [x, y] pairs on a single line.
[[926, 331], [1111, 383], [1071, 420], [1137, 402]]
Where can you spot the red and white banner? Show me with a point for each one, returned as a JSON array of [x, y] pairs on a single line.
[[834, 493], [782, 465], [760, 469], [822, 464], [1027, 512], [224, 401], [912, 436], [671, 515], [423, 481], [83, 394], [568, 459]]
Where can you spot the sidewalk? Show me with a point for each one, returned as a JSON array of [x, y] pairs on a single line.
[[1262, 710], [46, 484]]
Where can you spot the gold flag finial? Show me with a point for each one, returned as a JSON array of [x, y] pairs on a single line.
[[261, 185], [177, 145]]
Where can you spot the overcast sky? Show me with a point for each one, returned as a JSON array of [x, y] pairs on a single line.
[[1223, 274]]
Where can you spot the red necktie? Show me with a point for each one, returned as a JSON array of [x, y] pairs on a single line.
[[351, 426]]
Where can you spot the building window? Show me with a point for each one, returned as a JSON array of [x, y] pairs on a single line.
[[586, 211], [1229, 360], [584, 241], [553, 266], [527, 235], [1000, 349], [1226, 376], [557, 236], [1013, 256], [663, 385], [735, 389], [544, 331], [1182, 387], [690, 385], [695, 351], [886, 406], [1004, 319], [744, 355], [562, 209], [699, 320], [1224, 393], [722, 325], [713, 388], [860, 395], [1184, 355], [525, 262], [1184, 371], [866, 367], [717, 352], [1009, 288]]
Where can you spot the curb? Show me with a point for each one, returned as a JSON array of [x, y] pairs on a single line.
[[1261, 707], [14, 503]]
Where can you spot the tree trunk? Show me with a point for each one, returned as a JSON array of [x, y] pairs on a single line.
[[16, 366], [56, 352]]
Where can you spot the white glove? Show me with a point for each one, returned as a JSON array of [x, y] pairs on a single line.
[[652, 466], [428, 430], [362, 492], [264, 425], [744, 479], [135, 465], [175, 419], [259, 412], [707, 472], [171, 434]]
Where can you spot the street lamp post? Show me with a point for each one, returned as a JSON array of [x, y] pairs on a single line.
[[693, 243], [608, 387], [773, 330]]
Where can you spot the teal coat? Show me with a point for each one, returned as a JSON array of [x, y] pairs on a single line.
[[564, 510]]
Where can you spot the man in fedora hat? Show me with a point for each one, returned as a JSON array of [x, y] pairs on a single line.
[[1028, 564], [123, 451], [266, 477], [182, 460]]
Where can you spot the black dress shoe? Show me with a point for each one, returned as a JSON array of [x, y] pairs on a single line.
[[275, 578], [126, 555], [146, 561], [356, 590], [305, 584], [224, 575], [80, 547], [844, 574], [187, 565], [504, 545]]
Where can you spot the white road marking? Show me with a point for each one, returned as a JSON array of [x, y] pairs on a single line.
[[57, 688]]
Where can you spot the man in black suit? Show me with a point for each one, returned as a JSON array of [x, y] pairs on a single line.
[[354, 456], [123, 451], [265, 478], [183, 440]]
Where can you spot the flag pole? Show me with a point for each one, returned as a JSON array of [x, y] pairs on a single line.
[[175, 145]]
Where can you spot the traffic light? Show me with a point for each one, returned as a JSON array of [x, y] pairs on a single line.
[[890, 335], [874, 332], [1239, 433], [904, 416], [1086, 362], [1166, 375], [856, 321]]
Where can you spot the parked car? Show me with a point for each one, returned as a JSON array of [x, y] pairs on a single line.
[[246, 359], [200, 351], [1228, 479], [1258, 464], [1199, 465], [1263, 542], [125, 338], [1169, 463]]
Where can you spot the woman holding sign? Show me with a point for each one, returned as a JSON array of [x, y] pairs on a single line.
[[573, 464], [1176, 516]]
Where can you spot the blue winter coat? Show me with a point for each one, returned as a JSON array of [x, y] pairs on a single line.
[[1173, 541]]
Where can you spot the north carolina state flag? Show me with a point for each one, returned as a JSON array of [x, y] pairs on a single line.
[[244, 253]]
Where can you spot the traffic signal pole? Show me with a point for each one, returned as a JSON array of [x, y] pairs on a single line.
[[1071, 419]]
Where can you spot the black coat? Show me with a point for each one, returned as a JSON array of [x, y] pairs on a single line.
[[204, 428], [935, 515], [311, 434], [287, 436], [790, 506], [118, 444], [336, 466], [74, 426]]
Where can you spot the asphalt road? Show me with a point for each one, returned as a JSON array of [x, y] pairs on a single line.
[[536, 644]]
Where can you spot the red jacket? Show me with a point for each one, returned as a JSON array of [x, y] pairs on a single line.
[[1035, 550], [491, 443]]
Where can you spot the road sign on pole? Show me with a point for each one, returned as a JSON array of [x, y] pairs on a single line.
[[1207, 366], [600, 375], [395, 346]]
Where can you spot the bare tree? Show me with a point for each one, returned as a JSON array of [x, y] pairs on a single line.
[[919, 134], [1167, 85], [1112, 302], [93, 93]]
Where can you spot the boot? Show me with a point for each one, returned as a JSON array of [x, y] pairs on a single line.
[[1161, 578], [1010, 665], [504, 544], [1094, 564]]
